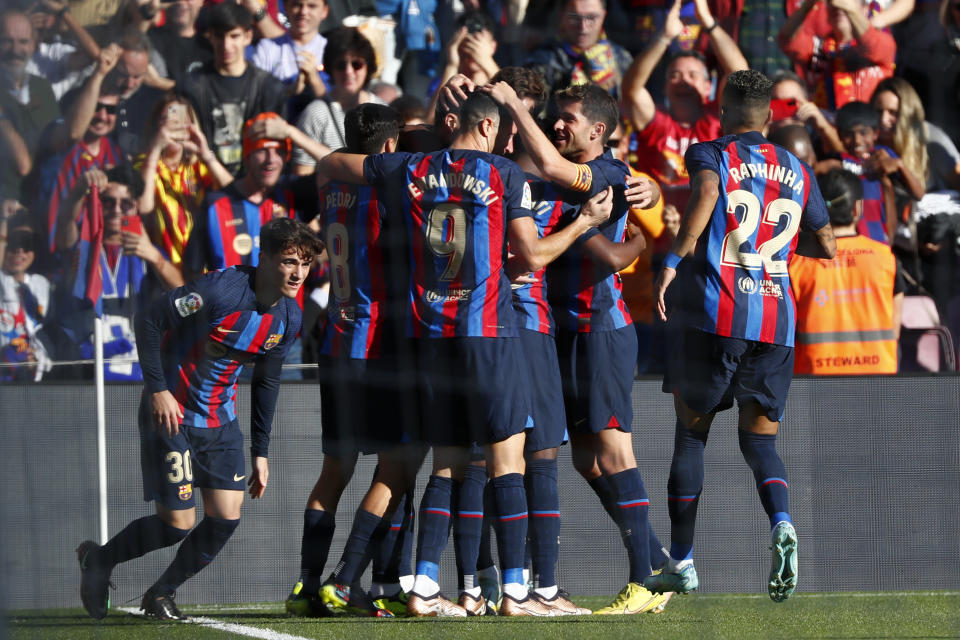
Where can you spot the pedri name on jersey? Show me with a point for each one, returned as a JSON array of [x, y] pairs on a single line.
[[464, 181], [768, 171]]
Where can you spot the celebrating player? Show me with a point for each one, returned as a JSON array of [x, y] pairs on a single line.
[[596, 343], [193, 344], [734, 319], [461, 205]]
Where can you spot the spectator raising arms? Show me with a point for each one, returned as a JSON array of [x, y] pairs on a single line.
[[178, 169]]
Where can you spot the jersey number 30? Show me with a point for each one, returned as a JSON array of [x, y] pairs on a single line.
[[732, 254]]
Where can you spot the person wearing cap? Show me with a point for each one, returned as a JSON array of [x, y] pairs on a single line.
[[227, 229]]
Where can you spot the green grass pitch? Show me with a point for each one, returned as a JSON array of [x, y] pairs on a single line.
[[934, 614]]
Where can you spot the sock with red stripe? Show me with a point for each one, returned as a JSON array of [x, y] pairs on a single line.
[[630, 497], [318, 528], [468, 523], [601, 487], [386, 557], [434, 527], [760, 452], [683, 489], [511, 503], [543, 502]]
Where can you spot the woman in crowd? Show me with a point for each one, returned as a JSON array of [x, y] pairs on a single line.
[[178, 169], [351, 63]]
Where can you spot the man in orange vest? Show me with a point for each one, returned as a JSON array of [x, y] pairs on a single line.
[[848, 308]]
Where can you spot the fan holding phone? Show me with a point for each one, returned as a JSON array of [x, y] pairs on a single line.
[[178, 169]]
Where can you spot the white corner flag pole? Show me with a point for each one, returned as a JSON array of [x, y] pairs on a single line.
[[101, 426]]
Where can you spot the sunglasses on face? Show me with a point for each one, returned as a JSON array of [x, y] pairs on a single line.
[[20, 241], [110, 108], [110, 204], [341, 65]]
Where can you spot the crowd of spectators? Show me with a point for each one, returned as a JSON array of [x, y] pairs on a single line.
[[145, 141]]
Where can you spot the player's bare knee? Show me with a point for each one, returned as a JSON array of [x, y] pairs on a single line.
[[506, 456], [183, 519], [753, 419], [615, 453], [543, 454]]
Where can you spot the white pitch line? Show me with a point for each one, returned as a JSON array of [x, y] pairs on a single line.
[[229, 627], [836, 594]]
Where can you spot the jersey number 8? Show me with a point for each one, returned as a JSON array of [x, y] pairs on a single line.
[[338, 250], [731, 253]]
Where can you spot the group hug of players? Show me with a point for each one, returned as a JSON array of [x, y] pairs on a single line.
[[476, 312]]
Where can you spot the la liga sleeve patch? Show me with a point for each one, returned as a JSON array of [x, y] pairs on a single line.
[[188, 304]]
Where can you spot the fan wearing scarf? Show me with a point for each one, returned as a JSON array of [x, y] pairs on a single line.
[[581, 53], [112, 266]]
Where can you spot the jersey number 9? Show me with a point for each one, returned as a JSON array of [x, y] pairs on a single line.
[[447, 237]]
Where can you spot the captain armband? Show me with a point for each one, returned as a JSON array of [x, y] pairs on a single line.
[[584, 178]]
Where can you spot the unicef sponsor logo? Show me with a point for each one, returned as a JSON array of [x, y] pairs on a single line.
[[747, 285]]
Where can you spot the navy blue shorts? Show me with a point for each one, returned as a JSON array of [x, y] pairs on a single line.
[[175, 467], [362, 405], [708, 372], [597, 373], [472, 390], [542, 371]]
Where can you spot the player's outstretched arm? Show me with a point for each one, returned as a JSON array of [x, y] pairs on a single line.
[[552, 165], [705, 189], [532, 253], [819, 244], [343, 167]]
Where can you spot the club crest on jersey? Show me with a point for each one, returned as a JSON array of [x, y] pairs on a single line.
[[188, 304], [272, 340], [186, 491]]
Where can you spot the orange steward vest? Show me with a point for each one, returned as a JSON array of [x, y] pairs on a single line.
[[845, 310]]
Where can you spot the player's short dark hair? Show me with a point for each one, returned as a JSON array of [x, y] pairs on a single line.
[[595, 103], [124, 174], [227, 16], [368, 126], [840, 189], [282, 234], [746, 98], [349, 40], [527, 83], [854, 113], [475, 108]]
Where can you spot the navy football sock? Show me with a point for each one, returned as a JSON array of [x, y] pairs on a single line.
[[683, 489], [355, 552], [318, 528], [657, 556], [631, 499], [468, 522], [138, 538], [386, 555], [601, 487], [511, 501], [434, 526], [485, 559], [760, 452], [406, 538], [543, 503], [197, 551]]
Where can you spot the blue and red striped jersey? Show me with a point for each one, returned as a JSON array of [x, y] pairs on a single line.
[[211, 328], [227, 232], [873, 221], [737, 283], [351, 223], [456, 206], [585, 295], [531, 299]]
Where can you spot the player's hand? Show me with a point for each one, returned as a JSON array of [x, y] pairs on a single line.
[[597, 209], [702, 10], [270, 128], [501, 92], [259, 477], [166, 412], [641, 192], [660, 289], [672, 25], [454, 92], [453, 47]]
